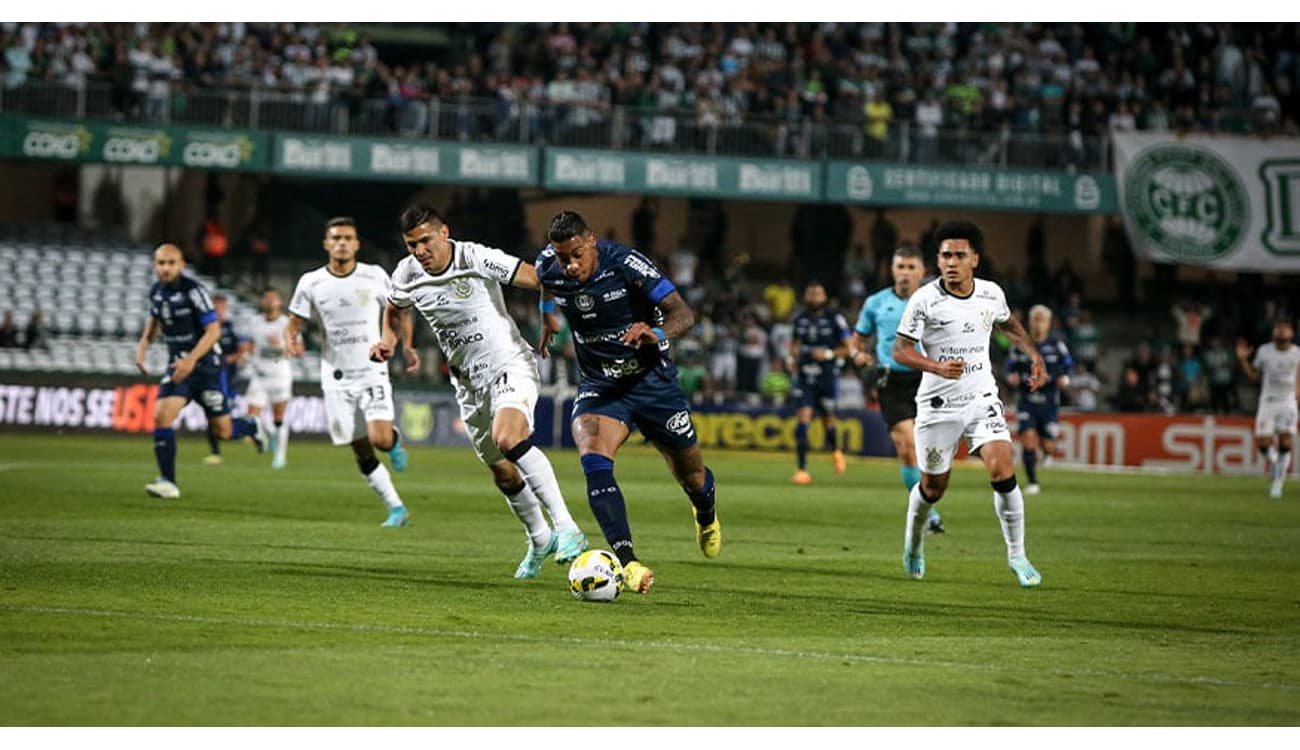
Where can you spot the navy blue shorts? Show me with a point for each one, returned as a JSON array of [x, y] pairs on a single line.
[[819, 392], [206, 386], [653, 404], [1041, 418]]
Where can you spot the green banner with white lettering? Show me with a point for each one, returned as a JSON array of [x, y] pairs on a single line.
[[703, 176], [404, 160], [170, 146], [886, 184]]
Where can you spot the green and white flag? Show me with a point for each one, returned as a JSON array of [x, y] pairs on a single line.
[[1223, 202]]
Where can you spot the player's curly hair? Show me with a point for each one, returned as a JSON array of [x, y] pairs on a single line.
[[960, 229], [565, 226]]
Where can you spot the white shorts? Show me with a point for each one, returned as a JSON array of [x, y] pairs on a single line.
[[1275, 417], [349, 409], [937, 431], [263, 391], [514, 388]]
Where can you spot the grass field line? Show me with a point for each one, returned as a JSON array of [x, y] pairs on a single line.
[[716, 648]]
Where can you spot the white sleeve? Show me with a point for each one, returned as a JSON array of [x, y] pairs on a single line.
[[301, 303], [912, 324], [398, 295], [491, 263], [1258, 360], [1003, 313]]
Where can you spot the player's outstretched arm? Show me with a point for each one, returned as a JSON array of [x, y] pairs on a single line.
[[1037, 368], [150, 332], [1243, 359], [526, 277]]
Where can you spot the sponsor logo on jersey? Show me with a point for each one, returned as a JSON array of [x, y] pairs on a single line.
[[641, 267], [614, 294], [1187, 202]]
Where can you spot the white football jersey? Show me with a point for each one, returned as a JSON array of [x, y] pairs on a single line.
[[1277, 369], [949, 328], [348, 310], [466, 311], [268, 359]]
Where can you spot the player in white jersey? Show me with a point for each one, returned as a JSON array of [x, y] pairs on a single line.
[[1276, 365], [271, 384], [952, 319], [456, 286], [347, 299]]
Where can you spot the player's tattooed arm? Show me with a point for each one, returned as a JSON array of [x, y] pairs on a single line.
[[1037, 369], [293, 345], [678, 319]]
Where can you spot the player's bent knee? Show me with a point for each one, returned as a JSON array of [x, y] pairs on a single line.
[[513, 448], [367, 464], [1005, 484]]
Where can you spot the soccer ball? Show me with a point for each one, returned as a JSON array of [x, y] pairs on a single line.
[[596, 576]]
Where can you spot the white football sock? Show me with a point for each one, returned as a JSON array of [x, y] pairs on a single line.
[[526, 508], [1010, 507], [282, 441], [540, 476], [382, 484], [1281, 467], [1272, 455], [918, 510]]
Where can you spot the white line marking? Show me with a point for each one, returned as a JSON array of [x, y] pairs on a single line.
[[715, 648]]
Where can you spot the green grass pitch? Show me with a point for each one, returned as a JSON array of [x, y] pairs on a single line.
[[266, 597]]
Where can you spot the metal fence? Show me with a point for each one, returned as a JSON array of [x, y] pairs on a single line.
[[542, 123]]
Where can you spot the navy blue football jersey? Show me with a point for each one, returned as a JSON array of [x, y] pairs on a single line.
[[818, 329], [1057, 359], [625, 288], [184, 309]]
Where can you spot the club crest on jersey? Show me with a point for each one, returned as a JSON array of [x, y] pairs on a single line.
[[584, 301], [986, 319], [463, 289], [933, 458]]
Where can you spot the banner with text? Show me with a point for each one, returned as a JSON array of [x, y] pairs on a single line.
[[704, 176], [1224, 202], [885, 184], [404, 160], [167, 146]]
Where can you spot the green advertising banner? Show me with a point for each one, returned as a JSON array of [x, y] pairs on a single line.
[[723, 177], [886, 184], [200, 148], [399, 159]]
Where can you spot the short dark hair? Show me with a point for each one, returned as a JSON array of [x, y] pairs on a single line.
[[417, 215], [340, 221], [270, 289], [960, 229], [812, 283], [909, 251], [566, 225]]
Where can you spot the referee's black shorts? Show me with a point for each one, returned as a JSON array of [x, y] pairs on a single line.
[[897, 391]]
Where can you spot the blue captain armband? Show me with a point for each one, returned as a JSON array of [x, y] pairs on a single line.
[[659, 334], [661, 290], [547, 306]]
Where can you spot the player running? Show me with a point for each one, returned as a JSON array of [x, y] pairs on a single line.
[[271, 385], [1276, 366], [952, 319], [347, 298], [233, 352], [816, 349], [182, 313], [623, 312], [1037, 409], [895, 384], [456, 286]]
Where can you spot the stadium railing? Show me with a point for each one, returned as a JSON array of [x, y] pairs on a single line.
[[566, 124]]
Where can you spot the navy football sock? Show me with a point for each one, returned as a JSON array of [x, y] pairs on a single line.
[[1031, 464], [242, 427], [164, 449], [704, 499], [607, 505], [214, 445], [831, 434], [801, 444]]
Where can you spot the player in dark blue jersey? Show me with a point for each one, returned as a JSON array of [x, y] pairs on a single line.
[[622, 313], [233, 351], [1036, 411], [820, 340], [182, 313]]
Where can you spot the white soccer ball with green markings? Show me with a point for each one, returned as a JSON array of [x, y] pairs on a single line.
[[596, 576]]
